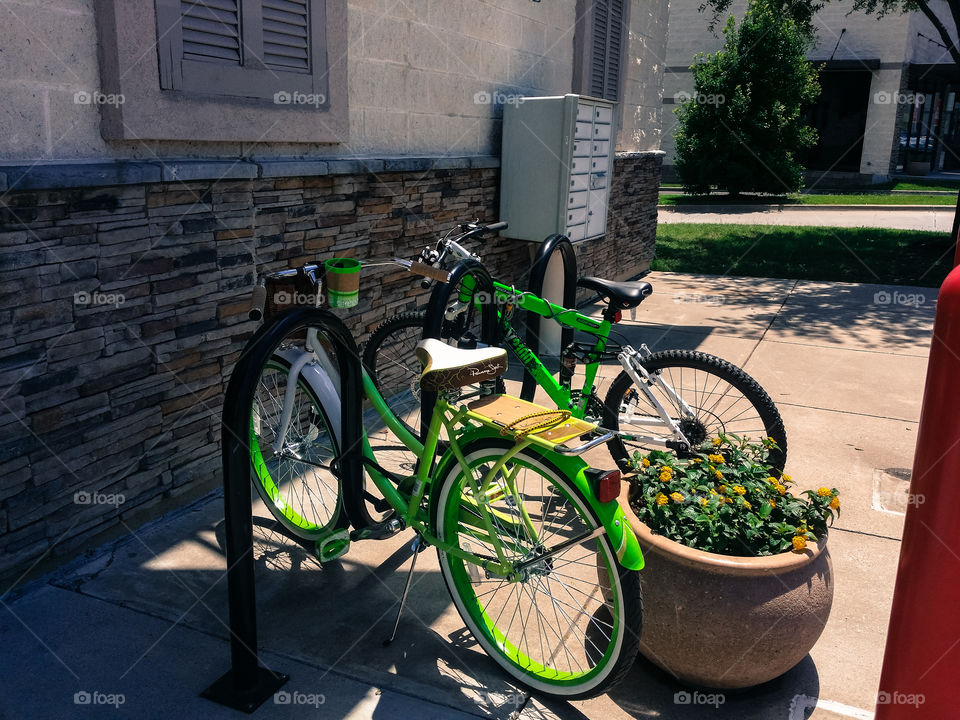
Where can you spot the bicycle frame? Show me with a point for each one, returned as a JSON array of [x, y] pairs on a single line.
[[410, 506], [563, 395]]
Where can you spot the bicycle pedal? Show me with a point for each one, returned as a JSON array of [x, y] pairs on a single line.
[[380, 531], [332, 547]]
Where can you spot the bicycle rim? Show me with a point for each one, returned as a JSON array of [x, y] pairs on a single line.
[[559, 630], [304, 497]]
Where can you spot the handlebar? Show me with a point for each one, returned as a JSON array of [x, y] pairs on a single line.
[[469, 230]]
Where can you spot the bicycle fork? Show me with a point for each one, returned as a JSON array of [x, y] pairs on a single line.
[[630, 360]]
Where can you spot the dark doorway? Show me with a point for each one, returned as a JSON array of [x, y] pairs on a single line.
[[840, 117]]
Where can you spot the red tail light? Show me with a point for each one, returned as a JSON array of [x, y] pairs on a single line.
[[618, 317], [608, 486]]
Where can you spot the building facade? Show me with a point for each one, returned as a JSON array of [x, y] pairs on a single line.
[[156, 157], [888, 90]]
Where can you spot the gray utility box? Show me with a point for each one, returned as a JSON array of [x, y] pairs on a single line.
[[556, 166]]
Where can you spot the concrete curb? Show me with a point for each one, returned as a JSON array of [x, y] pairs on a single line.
[[743, 209]]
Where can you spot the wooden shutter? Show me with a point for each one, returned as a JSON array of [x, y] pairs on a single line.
[[601, 47], [211, 30], [242, 48], [286, 36]]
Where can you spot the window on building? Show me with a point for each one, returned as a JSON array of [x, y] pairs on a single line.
[[599, 47], [265, 49]]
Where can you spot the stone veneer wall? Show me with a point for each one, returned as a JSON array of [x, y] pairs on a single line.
[[126, 307]]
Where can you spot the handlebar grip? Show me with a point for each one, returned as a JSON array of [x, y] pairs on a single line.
[[497, 227], [257, 302], [425, 284], [429, 271]]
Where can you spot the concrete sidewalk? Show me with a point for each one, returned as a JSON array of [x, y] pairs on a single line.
[[936, 219], [145, 618]]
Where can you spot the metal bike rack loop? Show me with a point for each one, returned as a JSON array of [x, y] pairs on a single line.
[[538, 272], [246, 685]]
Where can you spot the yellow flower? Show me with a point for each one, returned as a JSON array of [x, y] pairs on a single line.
[[772, 480], [704, 501], [646, 462], [799, 543], [712, 491], [718, 459], [727, 500], [782, 489], [739, 490], [676, 497], [773, 503], [786, 478], [723, 488], [835, 503], [824, 492], [662, 499], [718, 475], [666, 473], [747, 505], [717, 442]]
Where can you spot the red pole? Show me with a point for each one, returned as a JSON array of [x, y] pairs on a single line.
[[922, 655]]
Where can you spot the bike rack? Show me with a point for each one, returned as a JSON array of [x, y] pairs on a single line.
[[537, 275], [246, 685]]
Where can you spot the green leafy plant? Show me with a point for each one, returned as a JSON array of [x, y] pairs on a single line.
[[727, 499], [743, 126]]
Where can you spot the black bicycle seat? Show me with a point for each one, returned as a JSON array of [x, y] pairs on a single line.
[[621, 295]]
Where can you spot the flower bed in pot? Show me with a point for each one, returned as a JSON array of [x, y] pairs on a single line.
[[738, 582]]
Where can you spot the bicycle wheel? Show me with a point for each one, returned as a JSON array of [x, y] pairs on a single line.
[[721, 396], [302, 494], [570, 627], [390, 358]]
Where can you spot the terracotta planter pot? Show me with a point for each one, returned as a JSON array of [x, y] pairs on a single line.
[[719, 621]]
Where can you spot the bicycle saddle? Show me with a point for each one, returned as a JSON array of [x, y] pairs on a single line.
[[447, 368], [621, 295]]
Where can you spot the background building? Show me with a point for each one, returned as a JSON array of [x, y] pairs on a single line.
[[157, 156], [888, 90]]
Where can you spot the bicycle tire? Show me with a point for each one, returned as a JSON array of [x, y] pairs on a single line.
[[593, 661], [708, 423]]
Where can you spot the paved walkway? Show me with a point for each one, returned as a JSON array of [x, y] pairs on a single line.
[[144, 620], [938, 220]]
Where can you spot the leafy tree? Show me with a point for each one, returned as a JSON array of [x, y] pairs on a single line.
[[946, 25], [743, 126]]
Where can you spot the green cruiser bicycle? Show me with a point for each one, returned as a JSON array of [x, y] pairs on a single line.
[[534, 548], [673, 399]]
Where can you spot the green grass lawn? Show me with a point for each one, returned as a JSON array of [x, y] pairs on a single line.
[[801, 199], [868, 255]]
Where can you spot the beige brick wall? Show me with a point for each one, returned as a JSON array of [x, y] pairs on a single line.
[[414, 69]]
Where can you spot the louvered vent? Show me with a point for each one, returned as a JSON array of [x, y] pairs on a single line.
[[211, 30], [598, 55], [285, 43]]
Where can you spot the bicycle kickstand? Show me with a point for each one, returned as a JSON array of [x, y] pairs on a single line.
[[415, 547]]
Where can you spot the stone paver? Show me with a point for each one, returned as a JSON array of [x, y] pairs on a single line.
[[147, 617]]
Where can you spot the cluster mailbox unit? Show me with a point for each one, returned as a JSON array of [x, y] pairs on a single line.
[[556, 165]]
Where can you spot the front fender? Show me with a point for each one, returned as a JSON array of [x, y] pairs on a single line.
[[611, 515]]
